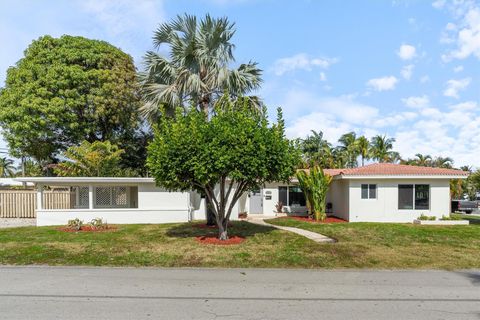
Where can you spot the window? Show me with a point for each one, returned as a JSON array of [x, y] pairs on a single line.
[[405, 196], [111, 197], [415, 197], [291, 196], [296, 197], [369, 191], [283, 195], [422, 197]]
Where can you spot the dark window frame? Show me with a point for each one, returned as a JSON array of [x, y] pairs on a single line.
[[369, 188], [415, 200]]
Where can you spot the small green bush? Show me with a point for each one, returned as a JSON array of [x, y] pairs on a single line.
[[446, 218], [98, 223], [424, 217], [75, 224]]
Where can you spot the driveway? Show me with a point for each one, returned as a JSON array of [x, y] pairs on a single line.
[[128, 293]]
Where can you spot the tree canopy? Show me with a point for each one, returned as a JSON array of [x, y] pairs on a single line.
[[66, 90], [197, 70], [236, 151], [97, 159]]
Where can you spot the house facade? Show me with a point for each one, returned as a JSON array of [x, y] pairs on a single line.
[[380, 192], [373, 193]]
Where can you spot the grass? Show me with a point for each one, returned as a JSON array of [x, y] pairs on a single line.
[[361, 245], [390, 245], [469, 217]]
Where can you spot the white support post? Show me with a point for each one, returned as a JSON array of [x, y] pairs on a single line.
[[90, 197], [39, 196]]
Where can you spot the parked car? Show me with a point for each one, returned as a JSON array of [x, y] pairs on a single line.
[[464, 206]]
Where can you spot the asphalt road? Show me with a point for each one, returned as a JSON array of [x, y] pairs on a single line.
[[127, 293]]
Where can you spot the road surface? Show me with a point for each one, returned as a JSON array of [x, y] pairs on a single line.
[[129, 293]]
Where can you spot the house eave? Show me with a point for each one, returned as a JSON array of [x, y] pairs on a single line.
[[60, 181], [399, 177]]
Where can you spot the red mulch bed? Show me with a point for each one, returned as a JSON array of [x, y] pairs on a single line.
[[88, 229], [327, 220], [215, 240]]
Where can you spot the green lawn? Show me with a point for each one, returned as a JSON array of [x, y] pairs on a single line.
[[389, 245], [361, 245]]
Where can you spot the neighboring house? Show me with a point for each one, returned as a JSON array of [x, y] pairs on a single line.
[[377, 193], [10, 183]]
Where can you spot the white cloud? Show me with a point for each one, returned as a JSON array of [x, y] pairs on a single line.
[[438, 4], [120, 16], [323, 76], [465, 33], [407, 52], [416, 102], [383, 84], [424, 79], [301, 61], [407, 71], [455, 86], [458, 69]]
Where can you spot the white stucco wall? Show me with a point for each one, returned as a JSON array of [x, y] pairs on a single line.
[[270, 189], [152, 197], [155, 205], [338, 195], [112, 216], [385, 207]]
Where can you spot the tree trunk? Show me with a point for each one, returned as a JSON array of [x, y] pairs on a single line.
[[211, 220], [222, 230]]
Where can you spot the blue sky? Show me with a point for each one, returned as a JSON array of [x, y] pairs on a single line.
[[408, 69]]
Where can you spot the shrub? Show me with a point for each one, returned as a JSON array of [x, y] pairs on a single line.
[[75, 224], [98, 223], [279, 207], [446, 218], [424, 217]]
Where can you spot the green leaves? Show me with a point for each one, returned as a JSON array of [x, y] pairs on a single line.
[[97, 159], [193, 152], [66, 90], [314, 184]]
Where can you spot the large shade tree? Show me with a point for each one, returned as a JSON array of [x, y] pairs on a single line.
[[224, 157], [66, 90]]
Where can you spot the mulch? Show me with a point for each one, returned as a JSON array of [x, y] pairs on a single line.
[[88, 229], [327, 220], [216, 241]]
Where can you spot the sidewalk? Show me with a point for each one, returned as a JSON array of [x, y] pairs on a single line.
[[317, 237]]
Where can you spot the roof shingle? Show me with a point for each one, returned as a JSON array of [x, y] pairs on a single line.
[[391, 169]]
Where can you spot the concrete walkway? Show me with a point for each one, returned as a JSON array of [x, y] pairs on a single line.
[[317, 237]]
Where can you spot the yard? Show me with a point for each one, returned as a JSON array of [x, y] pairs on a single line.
[[360, 245]]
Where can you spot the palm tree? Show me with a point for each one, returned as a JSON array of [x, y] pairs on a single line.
[[316, 150], [442, 162], [347, 146], [197, 70], [363, 147], [381, 147], [423, 160], [6, 168], [315, 184]]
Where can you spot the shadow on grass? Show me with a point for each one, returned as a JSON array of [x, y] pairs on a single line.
[[237, 228]]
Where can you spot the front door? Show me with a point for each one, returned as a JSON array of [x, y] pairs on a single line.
[[256, 202]]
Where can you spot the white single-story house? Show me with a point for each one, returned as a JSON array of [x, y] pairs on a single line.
[[373, 193]]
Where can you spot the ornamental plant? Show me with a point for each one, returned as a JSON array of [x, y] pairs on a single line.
[[314, 184], [232, 152]]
